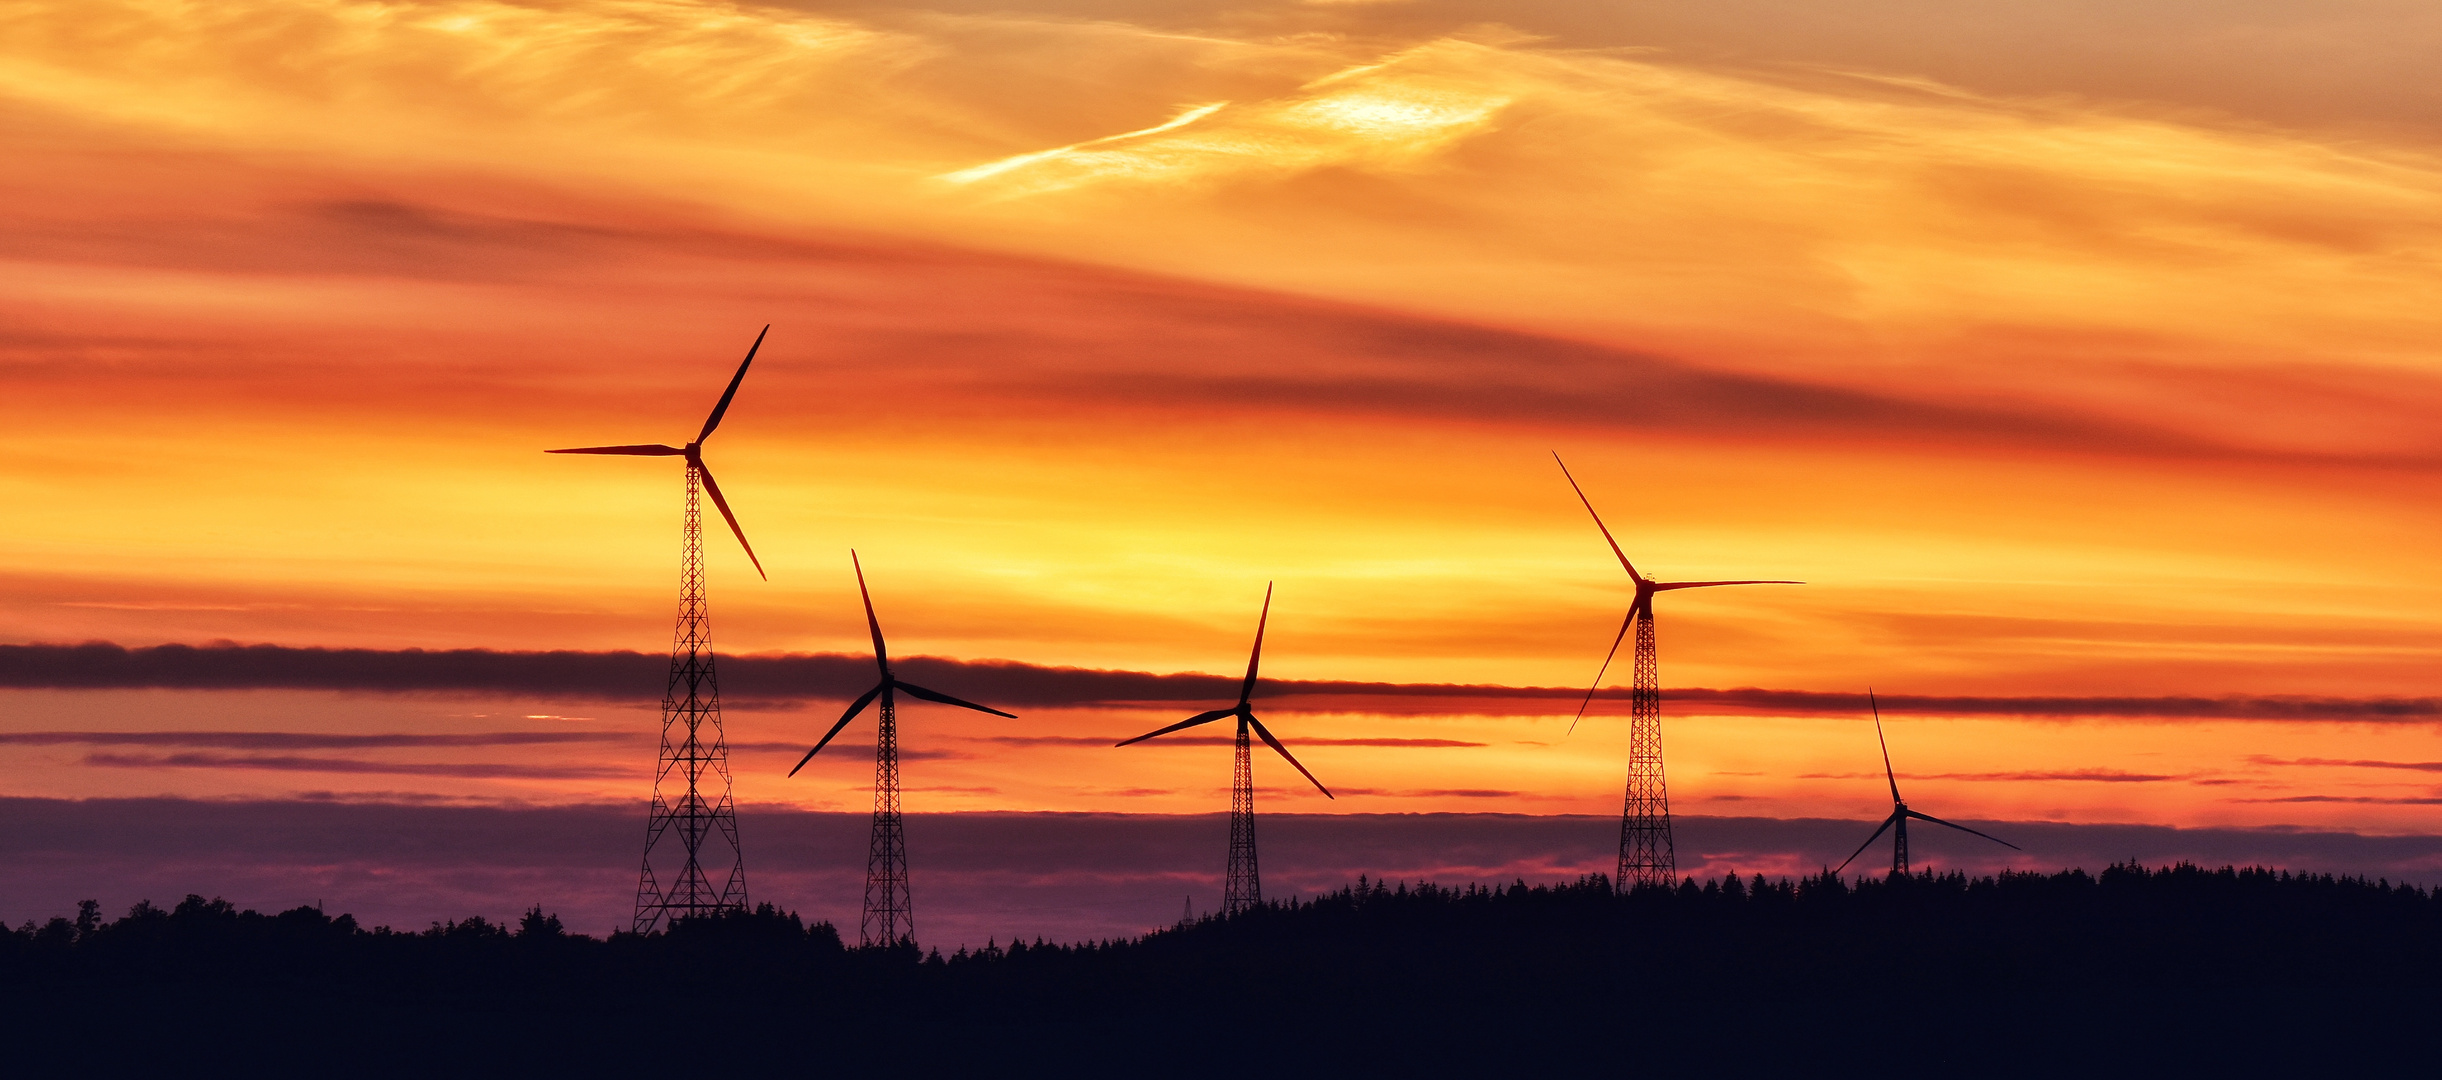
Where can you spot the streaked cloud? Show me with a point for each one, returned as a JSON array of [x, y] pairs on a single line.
[[2235, 706], [2416, 766], [305, 740], [2370, 800], [299, 763], [2098, 776], [1217, 740], [1435, 793]]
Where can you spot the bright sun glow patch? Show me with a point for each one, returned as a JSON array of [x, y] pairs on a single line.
[[1392, 116]]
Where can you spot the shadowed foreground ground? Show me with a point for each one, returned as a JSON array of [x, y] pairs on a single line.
[[2131, 971]]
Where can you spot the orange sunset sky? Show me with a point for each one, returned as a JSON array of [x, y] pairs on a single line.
[[2064, 350]]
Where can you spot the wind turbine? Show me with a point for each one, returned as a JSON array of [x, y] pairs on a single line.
[[1647, 856], [1900, 812], [692, 702], [889, 912], [1243, 887]]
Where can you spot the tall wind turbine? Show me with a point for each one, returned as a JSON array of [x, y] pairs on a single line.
[[1243, 888], [693, 749], [890, 916], [1900, 812], [1647, 856]]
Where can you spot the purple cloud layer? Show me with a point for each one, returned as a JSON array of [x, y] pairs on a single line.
[[1060, 876], [632, 676]]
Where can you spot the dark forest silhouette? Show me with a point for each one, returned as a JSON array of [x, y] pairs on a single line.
[[2128, 970]]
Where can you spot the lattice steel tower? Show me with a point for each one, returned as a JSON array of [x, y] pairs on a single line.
[[1243, 887], [1646, 854], [691, 789], [1899, 847], [691, 797], [890, 916]]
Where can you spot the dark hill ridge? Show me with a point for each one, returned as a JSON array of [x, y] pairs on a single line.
[[2131, 970]]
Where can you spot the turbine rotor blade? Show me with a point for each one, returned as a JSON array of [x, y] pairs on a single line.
[[1268, 740], [881, 652], [1199, 718], [835, 728], [633, 449], [1246, 690], [1869, 841], [1598, 675], [1964, 829], [1598, 521], [1886, 746], [1666, 586], [718, 410], [714, 490], [914, 690]]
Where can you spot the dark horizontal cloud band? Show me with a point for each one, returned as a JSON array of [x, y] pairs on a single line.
[[632, 676]]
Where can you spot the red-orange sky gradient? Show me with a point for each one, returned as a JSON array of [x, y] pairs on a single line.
[[2062, 349]]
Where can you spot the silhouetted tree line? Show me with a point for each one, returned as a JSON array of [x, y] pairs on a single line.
[[2126, 971]]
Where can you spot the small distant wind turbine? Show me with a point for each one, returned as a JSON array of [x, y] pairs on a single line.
[[889, 914], [1900, 812], [1647, 854], [1243, 887]]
